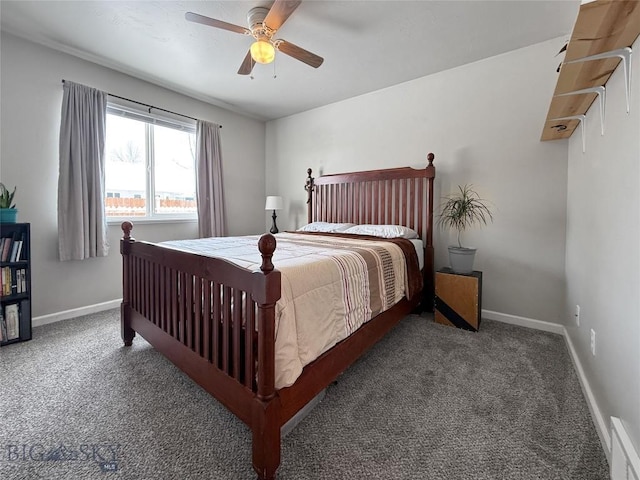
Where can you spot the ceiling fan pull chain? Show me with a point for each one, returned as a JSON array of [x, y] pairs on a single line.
[[274, 68]]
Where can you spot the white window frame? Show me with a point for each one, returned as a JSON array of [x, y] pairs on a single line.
[[151, 118]]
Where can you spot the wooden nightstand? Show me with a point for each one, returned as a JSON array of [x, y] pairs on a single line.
[[458, 301]]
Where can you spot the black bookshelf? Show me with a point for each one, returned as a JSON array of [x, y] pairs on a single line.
[[15, 276]]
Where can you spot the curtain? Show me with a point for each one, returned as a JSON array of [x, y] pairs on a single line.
[[82, 223], [210, 198]]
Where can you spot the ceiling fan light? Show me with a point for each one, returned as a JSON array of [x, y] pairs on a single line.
[[263, 52]]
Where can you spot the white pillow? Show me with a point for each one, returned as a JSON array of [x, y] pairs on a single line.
[[384, 231], [325, 227]]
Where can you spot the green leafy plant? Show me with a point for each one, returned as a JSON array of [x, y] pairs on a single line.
[[6, 197], [464, 209]]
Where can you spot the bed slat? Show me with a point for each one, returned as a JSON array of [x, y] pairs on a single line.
[[217, 319], [226, 327], [249, 339], [420, 213], [188, 311], [237, 333], [162, 300], [175, 293], [206, 320], [198, 301]]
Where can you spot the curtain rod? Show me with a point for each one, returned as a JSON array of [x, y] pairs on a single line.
[[147, 105]]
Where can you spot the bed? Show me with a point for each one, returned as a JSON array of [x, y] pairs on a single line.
[[216, 319]]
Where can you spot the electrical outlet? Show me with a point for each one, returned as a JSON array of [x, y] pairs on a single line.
[[577, 315], [593, 342]]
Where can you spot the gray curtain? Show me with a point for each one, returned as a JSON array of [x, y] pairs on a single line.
[[211, 220], [82, 223]]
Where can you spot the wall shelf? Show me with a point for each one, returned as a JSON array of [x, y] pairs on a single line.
[[602, 26]]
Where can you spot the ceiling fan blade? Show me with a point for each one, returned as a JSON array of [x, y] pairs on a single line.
[[280, 11], [299, 53], [247, 65], [212, 22]]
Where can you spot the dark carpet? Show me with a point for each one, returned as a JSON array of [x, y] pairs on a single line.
[[428, 402]]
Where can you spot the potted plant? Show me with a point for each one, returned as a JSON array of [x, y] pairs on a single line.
[[8, 211], [462, 210]]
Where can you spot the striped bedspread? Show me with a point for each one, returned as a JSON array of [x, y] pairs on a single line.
[[331, 285]]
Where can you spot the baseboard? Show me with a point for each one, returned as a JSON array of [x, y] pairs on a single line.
[[523, 322], [598, 419], [75, 312]]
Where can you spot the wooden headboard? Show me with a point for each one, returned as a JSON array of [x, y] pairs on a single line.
[[394, 196]]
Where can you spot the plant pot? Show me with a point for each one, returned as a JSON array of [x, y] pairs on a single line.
[[461, 259], [8, 215]]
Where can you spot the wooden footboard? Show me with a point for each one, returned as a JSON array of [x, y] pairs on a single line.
[[216, 322]]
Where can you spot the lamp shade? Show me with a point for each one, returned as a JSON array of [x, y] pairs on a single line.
[[262, 52], [273, 203]]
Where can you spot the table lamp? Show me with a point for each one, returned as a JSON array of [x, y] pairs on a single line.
[[273, 203]]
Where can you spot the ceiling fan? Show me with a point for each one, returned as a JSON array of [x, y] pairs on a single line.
[[263, 25]]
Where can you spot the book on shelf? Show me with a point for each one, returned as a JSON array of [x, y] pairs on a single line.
[[18, 251], [3, 327], [19, 280], [21, 253], [14, 251], [13, 279], [23, 280], [6, 249], [12, 320], [6, 281]]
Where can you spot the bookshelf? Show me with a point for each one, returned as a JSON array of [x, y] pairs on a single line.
[[15, 277]]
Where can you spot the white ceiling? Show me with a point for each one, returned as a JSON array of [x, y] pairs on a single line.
[[367, 45]]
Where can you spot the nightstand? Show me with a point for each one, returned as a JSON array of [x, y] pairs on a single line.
[[458, 301]]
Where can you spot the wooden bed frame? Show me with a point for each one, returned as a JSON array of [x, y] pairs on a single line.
[[181, 303]]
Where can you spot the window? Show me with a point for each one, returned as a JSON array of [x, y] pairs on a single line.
[[150, 166]]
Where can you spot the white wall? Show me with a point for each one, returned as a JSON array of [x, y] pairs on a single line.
[[603, 251], [31, 92], [483, 122]]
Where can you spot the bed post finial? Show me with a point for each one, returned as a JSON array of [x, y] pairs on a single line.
[[430, 158], [126, 229], [309, 187], [267, 245], [309, 184]]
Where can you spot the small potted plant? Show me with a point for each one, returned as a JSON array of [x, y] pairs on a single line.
[[460, 211], [8, 211]]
